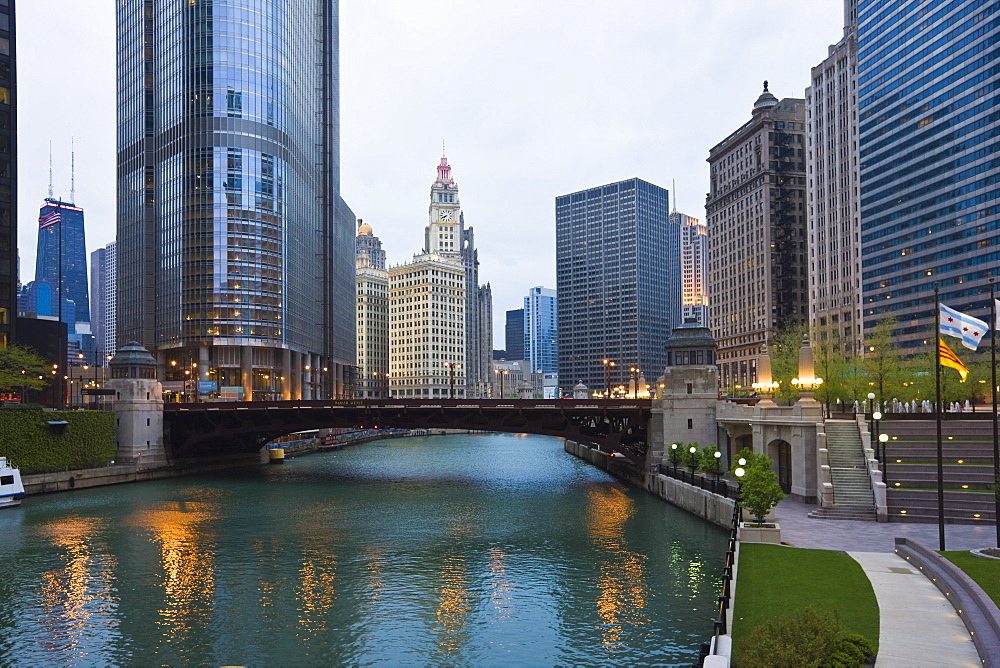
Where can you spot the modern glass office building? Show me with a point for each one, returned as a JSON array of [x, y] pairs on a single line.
[[61, 258], [514, 334], [929, 112], [8, 175], [235, 256], [619, 291], [540, 330]]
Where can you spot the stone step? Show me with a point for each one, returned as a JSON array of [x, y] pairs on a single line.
[[839, 512]]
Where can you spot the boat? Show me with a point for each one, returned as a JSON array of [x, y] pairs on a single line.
[[11, 489]]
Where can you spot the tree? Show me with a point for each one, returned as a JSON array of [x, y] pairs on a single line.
[[709, 462], [883, 364], [22, 368], [760, 491], [785, 360]]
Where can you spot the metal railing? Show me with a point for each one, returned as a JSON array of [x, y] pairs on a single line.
[[721, 623], [717, 486]]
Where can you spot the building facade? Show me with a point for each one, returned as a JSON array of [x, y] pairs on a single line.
[[514, 334], [110, 299], [61, 257], [694, 268], [541, 330], [373, 315], [8, 175], [615, 281], [927, 79], [235, 249], [833, 195], [756, 222], [427, 344], [98, 302], [447, 236]]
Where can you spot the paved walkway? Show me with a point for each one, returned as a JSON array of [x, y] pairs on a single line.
[[917, 624], [918, 627]]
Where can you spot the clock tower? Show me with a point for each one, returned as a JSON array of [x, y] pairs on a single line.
[[445, 223]]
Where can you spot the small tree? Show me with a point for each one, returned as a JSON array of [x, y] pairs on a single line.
[[752, 459], [21, 368], [709, 462], [760, 491]]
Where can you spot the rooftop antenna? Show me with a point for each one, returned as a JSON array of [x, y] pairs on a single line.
[[72, 171], [50, 169], [442, 149], [673, 188]]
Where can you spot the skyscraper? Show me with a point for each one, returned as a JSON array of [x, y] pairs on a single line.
[[110, 299], [8, 175], [540, 328], [927, 95], [694, 267], [447, 236], [514, 334], [235, 249], [614, 279], [98, 302], [756, 220], [834, 238], [62, 257], [373, 315]]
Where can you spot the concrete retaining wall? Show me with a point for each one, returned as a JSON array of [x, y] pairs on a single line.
[[702, 503]]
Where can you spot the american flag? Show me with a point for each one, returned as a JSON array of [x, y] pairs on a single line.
[[49, 219]]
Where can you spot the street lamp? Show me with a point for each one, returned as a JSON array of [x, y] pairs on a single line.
[[883, 439], [718, 465], [673, 455], [692, 462], [871, 411], [634, 371], [607, 377], [451, 366]]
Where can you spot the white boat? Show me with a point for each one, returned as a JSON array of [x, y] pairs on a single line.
[[11, 489]]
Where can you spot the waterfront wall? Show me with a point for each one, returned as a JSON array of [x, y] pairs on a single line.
[[39, 441], [704, 504]]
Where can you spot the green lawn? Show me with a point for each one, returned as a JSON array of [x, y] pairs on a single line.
[[776, 581], [986, 572]]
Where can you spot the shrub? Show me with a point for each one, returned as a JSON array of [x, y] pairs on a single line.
[[841, 659], [803, 639], [863, 644]]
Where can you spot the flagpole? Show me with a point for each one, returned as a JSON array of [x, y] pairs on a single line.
[[937, 414], [993, 388]]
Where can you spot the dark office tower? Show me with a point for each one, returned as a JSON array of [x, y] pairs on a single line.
[[514, 334], [62, 257], [756, 220], [929, 147], [235, 250], [8, 175], [614, 280]]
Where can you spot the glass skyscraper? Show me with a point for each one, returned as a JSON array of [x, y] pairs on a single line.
[[8, 175], [235, 251], [62, 256], [929, 132], [618, 286], [540, 327]]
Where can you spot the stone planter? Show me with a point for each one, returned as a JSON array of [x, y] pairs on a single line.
[[751, 532]]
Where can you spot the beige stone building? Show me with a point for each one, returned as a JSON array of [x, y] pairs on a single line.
[[756, 222], [372, 281], [833, 197]]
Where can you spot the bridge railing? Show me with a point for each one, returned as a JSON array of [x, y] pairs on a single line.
[[715, 485]]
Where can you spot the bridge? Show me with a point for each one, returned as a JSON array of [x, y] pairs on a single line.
[[220, 428]]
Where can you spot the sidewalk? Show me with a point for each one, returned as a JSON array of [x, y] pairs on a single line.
[[800, 530], [918, 627]]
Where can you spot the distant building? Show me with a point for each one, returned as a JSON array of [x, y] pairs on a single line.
[[373, 315], [8, 177], [694, 268], [928, 147], [618, 290], [62, 255], [834, 232], [756, 221], [98, 301], [427, 328], [110, 344], [514, 334], [540, 330]]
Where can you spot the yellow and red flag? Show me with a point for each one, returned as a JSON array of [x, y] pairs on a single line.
[[950, 359]]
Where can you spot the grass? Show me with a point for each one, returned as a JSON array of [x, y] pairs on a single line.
[[775, 581], [986, 572]]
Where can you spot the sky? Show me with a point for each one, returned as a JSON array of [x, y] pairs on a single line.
[[532, 98]]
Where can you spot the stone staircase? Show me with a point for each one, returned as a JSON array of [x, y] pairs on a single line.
[[852, 488]]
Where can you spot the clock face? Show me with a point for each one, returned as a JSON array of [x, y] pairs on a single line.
[[447, 214]]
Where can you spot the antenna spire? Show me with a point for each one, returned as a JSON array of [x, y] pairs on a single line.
[[442, 149], [50, 169], [72, 171], [673, 189]]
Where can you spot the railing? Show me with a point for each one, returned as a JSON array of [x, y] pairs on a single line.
[[716, 486], [721, 623]]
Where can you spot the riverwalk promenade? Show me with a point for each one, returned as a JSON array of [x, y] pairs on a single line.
[[918, 627]]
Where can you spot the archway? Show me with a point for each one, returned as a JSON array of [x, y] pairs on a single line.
[[780, 452]]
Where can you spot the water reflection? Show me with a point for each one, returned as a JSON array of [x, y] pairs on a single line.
[[453, 604], [77, 596], [621, 603], [185, 538], [501, 594]]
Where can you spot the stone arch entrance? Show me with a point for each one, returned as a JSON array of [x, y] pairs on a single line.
[[780, 452]]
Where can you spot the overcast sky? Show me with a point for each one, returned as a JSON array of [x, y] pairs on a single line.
[[534, 99]]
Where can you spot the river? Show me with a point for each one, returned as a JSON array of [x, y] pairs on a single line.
[[464, 550]]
